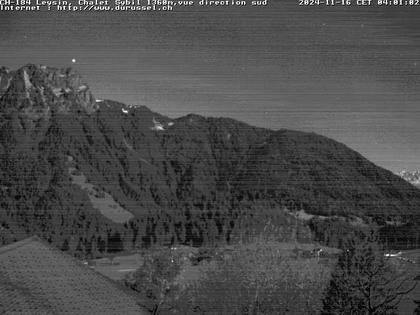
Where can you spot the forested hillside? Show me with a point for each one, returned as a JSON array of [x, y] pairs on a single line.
[[93, 176]]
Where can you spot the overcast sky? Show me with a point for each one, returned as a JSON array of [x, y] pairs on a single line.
[[348, 73]]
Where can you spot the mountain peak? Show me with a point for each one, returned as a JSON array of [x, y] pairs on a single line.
[[37, 90]]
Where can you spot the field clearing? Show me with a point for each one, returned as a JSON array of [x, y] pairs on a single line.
[[118, 267], [100, 199]]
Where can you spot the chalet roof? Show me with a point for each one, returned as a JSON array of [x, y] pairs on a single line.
[[36, 278]]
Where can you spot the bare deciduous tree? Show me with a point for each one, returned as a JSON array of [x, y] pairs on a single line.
[[365, 281]]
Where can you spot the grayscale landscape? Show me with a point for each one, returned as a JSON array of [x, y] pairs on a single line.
[[253, 159]]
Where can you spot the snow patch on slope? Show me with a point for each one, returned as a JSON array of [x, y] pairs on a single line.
[[412, 177], [157, 125], [82, 88], [26, 80], [127, 144], [57, 91]]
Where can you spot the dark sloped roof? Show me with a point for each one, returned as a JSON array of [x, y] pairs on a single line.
[[38, 279]]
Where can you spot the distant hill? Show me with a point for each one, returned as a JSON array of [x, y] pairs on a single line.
[[91, 175]]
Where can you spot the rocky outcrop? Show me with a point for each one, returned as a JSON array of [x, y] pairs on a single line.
[[5, 78], [37, 90]]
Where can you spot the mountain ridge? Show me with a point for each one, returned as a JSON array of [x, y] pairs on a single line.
[[64, 153]]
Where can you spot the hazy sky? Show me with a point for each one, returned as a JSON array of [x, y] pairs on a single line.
[[352, 74]]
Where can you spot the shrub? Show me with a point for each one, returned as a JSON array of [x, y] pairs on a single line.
[[258, 278]]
